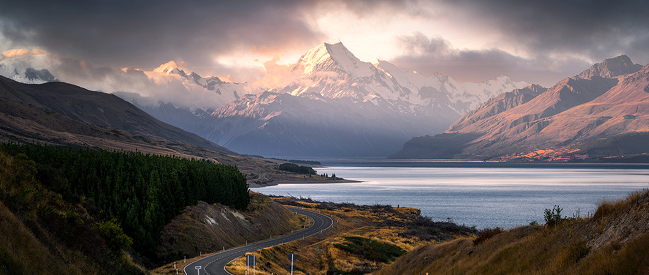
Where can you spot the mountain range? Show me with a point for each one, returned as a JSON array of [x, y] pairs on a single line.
[[331, 105], [605, 106]]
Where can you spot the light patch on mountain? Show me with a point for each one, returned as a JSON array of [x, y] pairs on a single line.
[[609, 101]]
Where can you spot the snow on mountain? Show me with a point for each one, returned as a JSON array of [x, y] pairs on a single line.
[[16, 68], [28, 75], [334, 72], [219, 92], [371, 107], [332, 57]]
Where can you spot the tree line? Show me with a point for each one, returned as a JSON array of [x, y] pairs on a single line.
[[141, 192]]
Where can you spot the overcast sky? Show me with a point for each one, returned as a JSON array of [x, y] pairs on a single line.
[[469, 40]]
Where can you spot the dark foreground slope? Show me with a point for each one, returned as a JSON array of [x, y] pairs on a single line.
[[141, 192], [69, 211], [43, 233], [615, 240]]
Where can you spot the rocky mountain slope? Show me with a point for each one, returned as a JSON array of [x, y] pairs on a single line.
[[607, 100], [213, 227]]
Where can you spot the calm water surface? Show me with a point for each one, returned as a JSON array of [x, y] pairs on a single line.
[[476, 195]]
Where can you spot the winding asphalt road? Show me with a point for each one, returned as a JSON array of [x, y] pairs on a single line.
[[215, 264]]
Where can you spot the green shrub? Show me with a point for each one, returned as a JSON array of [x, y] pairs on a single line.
[[371, 249], [290, 167], [114, 235], [553, 216]]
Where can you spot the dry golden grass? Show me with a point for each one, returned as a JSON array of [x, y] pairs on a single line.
[[318, 254], [606, 207], [614, 241]]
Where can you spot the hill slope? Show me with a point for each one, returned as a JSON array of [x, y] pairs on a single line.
[[43, 233], [609, 99], [99, 109]]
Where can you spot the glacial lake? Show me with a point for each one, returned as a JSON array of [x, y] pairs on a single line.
[[484, 195]]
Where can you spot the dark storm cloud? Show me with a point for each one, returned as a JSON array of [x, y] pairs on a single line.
[[560, 37], [147, 33], [436, 55], [595, 28], [133, 33]]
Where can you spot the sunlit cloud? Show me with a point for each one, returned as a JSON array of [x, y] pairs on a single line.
[[537, 38]]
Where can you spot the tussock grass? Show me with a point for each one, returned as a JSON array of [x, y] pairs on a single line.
[[486, 234], [607, 207], [615, 240]]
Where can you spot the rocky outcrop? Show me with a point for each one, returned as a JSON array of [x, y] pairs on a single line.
[[208, 228]]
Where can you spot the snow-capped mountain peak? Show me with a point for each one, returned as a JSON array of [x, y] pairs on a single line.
[[333, 57], [169, 68]]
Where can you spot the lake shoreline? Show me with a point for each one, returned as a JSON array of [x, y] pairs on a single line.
[[485, 197], [274, 183]]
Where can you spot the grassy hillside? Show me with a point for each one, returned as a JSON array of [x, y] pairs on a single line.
[[72, 211], [615, 240]]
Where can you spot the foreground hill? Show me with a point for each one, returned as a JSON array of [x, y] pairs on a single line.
[[615, 240], [71, 211], [606, 102]]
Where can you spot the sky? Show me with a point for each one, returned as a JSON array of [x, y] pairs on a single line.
[[470, 40]]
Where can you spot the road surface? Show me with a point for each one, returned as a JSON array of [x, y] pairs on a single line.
[[215, 264]]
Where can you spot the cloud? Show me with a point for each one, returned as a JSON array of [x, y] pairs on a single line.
[[594, 29], [437, 55], [142, 33], [20, 52], [224, 37], [156, 88]]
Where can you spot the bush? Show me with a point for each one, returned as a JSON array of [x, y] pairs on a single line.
[[114, 235], [486, 234], [553, 216], [371, 249]]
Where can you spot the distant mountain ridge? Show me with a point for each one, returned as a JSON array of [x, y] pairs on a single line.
[[607, 100]]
